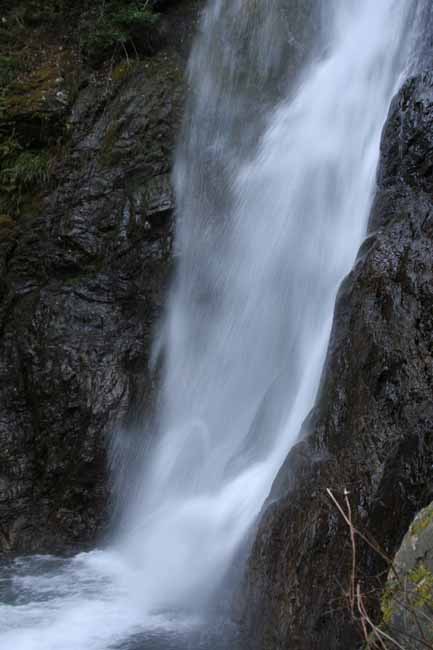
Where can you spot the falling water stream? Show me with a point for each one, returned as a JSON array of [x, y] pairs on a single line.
[[274, 179]]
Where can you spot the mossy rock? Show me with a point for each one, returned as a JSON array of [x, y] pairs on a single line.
[[34, 106], [407, 601], [422, 522], [38, 94], [122, 71]]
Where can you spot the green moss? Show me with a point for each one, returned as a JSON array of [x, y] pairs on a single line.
[[423, 522], [422, 579], [30, 95], [388, 601], [418, 595], [121, 71]]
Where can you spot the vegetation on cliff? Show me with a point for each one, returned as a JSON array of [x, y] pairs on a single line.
[[49, 49]]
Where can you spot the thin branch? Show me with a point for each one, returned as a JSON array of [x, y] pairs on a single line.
[[354, 560], [375, 629], [355, 595]]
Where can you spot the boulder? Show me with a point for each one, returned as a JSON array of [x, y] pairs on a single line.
[[407, 601]]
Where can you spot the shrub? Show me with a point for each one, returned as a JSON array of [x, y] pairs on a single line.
[[121, 29], [29, 169], [37, 12], [21, 173]]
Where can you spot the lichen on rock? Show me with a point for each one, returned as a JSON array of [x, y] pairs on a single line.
[[407, 600]]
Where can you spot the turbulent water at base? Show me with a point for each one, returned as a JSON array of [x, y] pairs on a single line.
[[274, 180]]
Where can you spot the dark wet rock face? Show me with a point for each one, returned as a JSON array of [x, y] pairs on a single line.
[[82, 282], [370, 432]]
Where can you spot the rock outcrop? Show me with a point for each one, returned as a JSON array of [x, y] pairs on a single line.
[[407, 602], [83, 269], [371, 431]]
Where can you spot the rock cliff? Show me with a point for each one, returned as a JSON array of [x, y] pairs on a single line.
[[370, 433], [85, 234]]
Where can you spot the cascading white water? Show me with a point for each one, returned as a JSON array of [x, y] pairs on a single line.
[[273, 204], [250, 314]]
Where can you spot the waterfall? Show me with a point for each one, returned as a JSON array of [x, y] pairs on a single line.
[[272, 207], [274, 180]]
